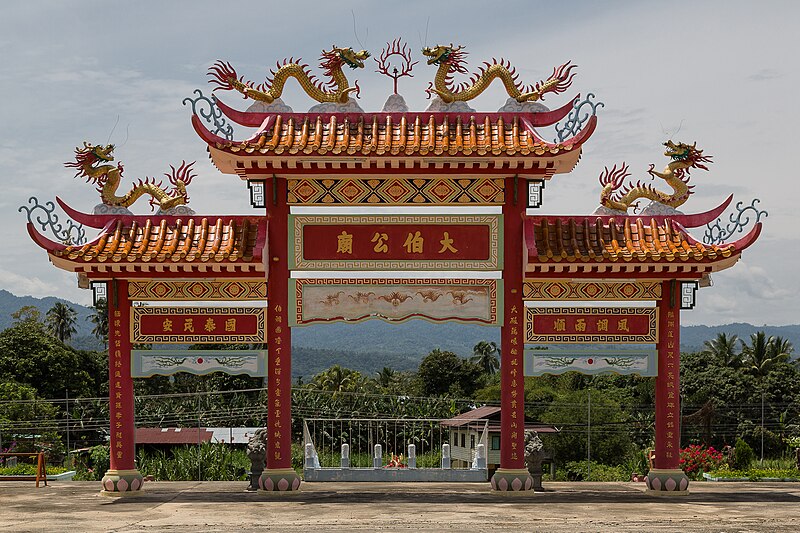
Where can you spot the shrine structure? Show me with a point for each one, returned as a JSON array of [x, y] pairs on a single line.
[[529, 274]]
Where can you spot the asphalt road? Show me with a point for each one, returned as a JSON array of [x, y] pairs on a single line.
[[211, 506]]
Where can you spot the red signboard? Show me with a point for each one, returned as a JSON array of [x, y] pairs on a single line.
[[395, 242], [197, 325], [568, 325]]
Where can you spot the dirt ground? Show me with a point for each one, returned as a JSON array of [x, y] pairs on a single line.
[[209, 506]]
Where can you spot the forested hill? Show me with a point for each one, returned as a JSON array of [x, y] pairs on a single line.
[[83, 339], [397, 342]]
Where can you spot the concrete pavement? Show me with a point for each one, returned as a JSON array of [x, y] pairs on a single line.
[[212, 506]]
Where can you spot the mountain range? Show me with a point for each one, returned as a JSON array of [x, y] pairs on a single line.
[[369, 346]]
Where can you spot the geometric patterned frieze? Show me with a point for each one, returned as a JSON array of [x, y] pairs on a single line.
[[564, 290], [198, 325], [396, 191], [395, 242], [163, 290], [579, 325], [473, 301]]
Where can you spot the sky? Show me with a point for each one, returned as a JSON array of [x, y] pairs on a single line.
[[722, 73]]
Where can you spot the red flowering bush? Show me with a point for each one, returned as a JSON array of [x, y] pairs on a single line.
[[696, 459]]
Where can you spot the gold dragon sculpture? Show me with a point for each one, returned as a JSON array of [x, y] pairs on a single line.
[[92, 162], [684, 157], [336, 90], [450, 59]]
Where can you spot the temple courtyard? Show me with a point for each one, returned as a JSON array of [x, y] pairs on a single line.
[[225, 506]]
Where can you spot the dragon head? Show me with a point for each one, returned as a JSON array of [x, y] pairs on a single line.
[[686, 154], [451, 56], [102, 153], [343, 56], [89, 155]]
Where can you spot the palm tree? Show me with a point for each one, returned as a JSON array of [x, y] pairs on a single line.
[[100, 320], [723, 350], [338, 379], [60, 321], [385, 377], [780, 346], [759, 358], [485, 356]]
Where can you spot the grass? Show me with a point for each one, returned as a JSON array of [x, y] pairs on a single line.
[[27, 469], [757, 474]]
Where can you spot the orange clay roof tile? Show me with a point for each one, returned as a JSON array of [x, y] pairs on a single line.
[[579, 239], [394, 136], [203, 241]]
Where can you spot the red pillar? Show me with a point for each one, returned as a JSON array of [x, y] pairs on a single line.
[[512, 474], [279, 475], [667, 476], [122, 475]]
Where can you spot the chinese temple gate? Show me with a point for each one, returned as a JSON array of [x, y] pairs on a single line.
[[492, 263]]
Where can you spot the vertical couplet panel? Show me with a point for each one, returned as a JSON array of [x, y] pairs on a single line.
[[668, 423], [123, 430], [279, 339], [512, 381]]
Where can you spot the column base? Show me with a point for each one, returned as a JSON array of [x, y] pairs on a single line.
[[667, 482], [119, 482], [279, 479], [512, 480]]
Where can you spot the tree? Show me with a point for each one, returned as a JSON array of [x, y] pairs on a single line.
[[23, 412], [780, 346], [385, 377], [610, 440], [485, 356], [60, 321], [723, 350], [338, 379], [443, 372], [760, 356], [27, 313], [29, 355], [100, 320]]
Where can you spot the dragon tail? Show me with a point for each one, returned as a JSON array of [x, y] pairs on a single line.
[[558, 82], [614, 177]]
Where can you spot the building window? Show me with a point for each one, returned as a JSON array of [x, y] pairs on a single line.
[[472, 442], [495, 442], [463, 440]]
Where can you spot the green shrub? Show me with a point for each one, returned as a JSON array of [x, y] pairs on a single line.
[[28, 469], [744, 455], [209, 461], [579, 471], [93, 466], [757, 474]]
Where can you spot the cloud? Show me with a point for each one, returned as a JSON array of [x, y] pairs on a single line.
[[757, 283], [25, 286], [765, 74]]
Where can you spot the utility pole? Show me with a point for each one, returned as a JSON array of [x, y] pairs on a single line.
[[589, 437], [67, 410]]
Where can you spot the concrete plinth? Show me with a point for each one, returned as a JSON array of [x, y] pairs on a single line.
[[512, 480], [120, 482], [280, 480], [663, 482]]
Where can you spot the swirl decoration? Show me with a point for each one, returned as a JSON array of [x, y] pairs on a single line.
[[44, 216], [577, 118], [716, 234], [212, 115]]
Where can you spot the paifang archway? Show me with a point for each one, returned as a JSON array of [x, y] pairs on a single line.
[[448, 156]]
